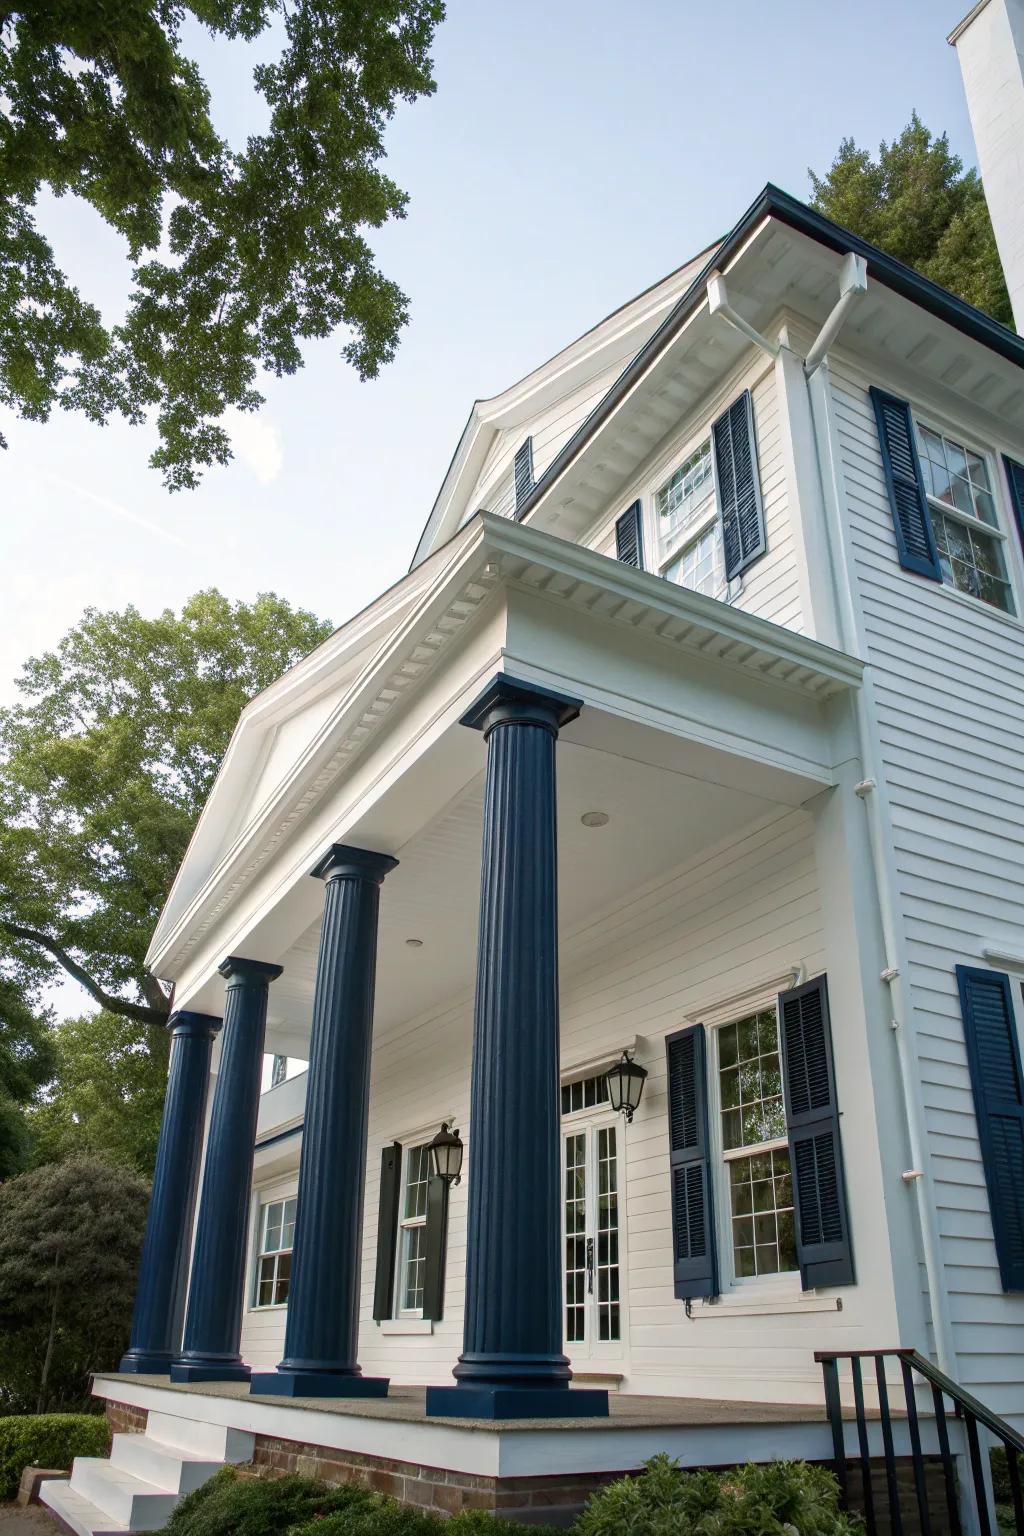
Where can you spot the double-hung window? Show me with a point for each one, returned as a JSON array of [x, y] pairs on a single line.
[[962, 509], [689, 529], [755, 1151], [274, 1259], [412, 1247]]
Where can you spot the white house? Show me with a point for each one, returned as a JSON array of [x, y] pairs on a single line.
[[741, 570]]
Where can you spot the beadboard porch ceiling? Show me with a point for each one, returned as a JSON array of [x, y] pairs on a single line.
[[658, 819]]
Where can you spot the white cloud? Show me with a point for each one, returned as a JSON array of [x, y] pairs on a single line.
[[257, 442]]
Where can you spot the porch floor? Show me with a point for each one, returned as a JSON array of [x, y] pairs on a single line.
[[408, 1405]]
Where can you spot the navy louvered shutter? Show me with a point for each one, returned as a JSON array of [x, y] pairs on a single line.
[[387, 1230], [435, 1246], [1015, 477], [993, 1057], [524, 472], [739, 486], [823, 1247], [695, 1258], [629, 537], [915, 541]]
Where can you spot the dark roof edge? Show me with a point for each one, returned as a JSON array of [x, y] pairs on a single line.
[[789, 210]]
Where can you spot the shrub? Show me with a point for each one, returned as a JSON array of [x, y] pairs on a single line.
[[779, 1498], [47, 1440]]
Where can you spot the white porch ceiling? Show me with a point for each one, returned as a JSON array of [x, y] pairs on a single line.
[[658, 819]]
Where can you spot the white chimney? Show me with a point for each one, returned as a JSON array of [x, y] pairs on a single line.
[[990, 46]]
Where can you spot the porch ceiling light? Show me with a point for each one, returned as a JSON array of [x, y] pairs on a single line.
[[595, 818], [626, 1085], [446, 1151]]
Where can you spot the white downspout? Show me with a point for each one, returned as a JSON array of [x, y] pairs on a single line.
[[875, 797]]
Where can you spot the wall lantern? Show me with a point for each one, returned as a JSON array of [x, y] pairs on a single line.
[[626, 1085], [446, 1151]]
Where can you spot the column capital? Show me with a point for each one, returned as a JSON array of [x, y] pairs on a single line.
[[237, 968], [198, 1025], [344, 862], [507, 701]]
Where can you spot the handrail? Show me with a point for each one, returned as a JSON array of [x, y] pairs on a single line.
[[968, 1409]]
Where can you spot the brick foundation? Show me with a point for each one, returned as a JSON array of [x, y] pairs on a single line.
[[124, 1419], [557, 1498]]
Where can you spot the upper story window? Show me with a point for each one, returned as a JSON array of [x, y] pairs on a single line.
[[964, 519], [274, 1257], [755, 1147], [689, 529]]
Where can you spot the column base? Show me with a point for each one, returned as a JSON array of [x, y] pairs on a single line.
[[488, 1402], [138, 1363], [316, 1384], [194, 1370]]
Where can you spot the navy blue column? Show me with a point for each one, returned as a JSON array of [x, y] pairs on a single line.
[[160, 1296], [512, 1365], [322, 1336], [213, 1322]]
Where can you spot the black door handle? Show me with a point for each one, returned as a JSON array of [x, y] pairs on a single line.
[[590, 1266]]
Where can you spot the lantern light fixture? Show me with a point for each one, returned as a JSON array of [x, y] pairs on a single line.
[[626, 1085], [446, 1151]]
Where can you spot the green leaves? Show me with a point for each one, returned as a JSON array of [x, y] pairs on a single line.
[[105, 766], [917, 203], [266, 243]]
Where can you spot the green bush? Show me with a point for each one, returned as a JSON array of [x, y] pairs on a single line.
[[47, 1440], [778, 1499]]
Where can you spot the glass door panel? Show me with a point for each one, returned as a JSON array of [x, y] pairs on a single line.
[[593, 1262]]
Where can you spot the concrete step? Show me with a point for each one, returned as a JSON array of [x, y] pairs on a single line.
[[165, 1466], [132, 1503], [77, 1513], [213, 1442]]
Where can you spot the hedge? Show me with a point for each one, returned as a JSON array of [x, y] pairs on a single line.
[[47, 1440]]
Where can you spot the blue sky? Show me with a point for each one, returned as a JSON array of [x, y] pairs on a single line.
[[575, 151]]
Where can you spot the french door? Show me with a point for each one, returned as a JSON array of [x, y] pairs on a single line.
[[592, 1221]]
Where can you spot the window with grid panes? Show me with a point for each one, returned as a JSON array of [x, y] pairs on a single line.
[[688, 526], [413, 1232], [964, 520], [699, 566], [575, 1237], [755, 1147], [607, 1233], [584, 1093], [274, 1260]]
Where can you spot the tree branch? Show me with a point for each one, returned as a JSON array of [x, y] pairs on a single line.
[[107, 1000]]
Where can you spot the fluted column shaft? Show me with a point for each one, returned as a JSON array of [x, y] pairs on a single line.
[[512, 1363], [322, 1334], [163, 1269], [213, 1322]]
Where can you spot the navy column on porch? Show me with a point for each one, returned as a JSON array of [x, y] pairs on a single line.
[[213, 1322], [512, 1364], [160, 1294], [322, 1333]]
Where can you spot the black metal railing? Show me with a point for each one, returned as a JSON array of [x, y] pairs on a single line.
[[966, 1409]]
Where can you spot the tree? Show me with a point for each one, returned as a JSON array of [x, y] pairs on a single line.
[[104, 768], [26, 1062], [106, 1094], [918, 203], [240, 254], [70, 1237]]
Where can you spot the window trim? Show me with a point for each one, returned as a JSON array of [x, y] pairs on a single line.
[[924, 420], [731, 1284], [399, 1313], [263, 1200]]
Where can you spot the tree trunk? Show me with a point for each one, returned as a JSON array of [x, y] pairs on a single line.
[[48, 1357]]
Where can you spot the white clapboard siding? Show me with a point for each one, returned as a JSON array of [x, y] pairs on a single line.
[[729, 920], [949, 683], [770, 587]]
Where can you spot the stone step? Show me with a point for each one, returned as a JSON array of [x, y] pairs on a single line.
[[165, 1466], [77, 1513], [213, 1442], [131, 1502]]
